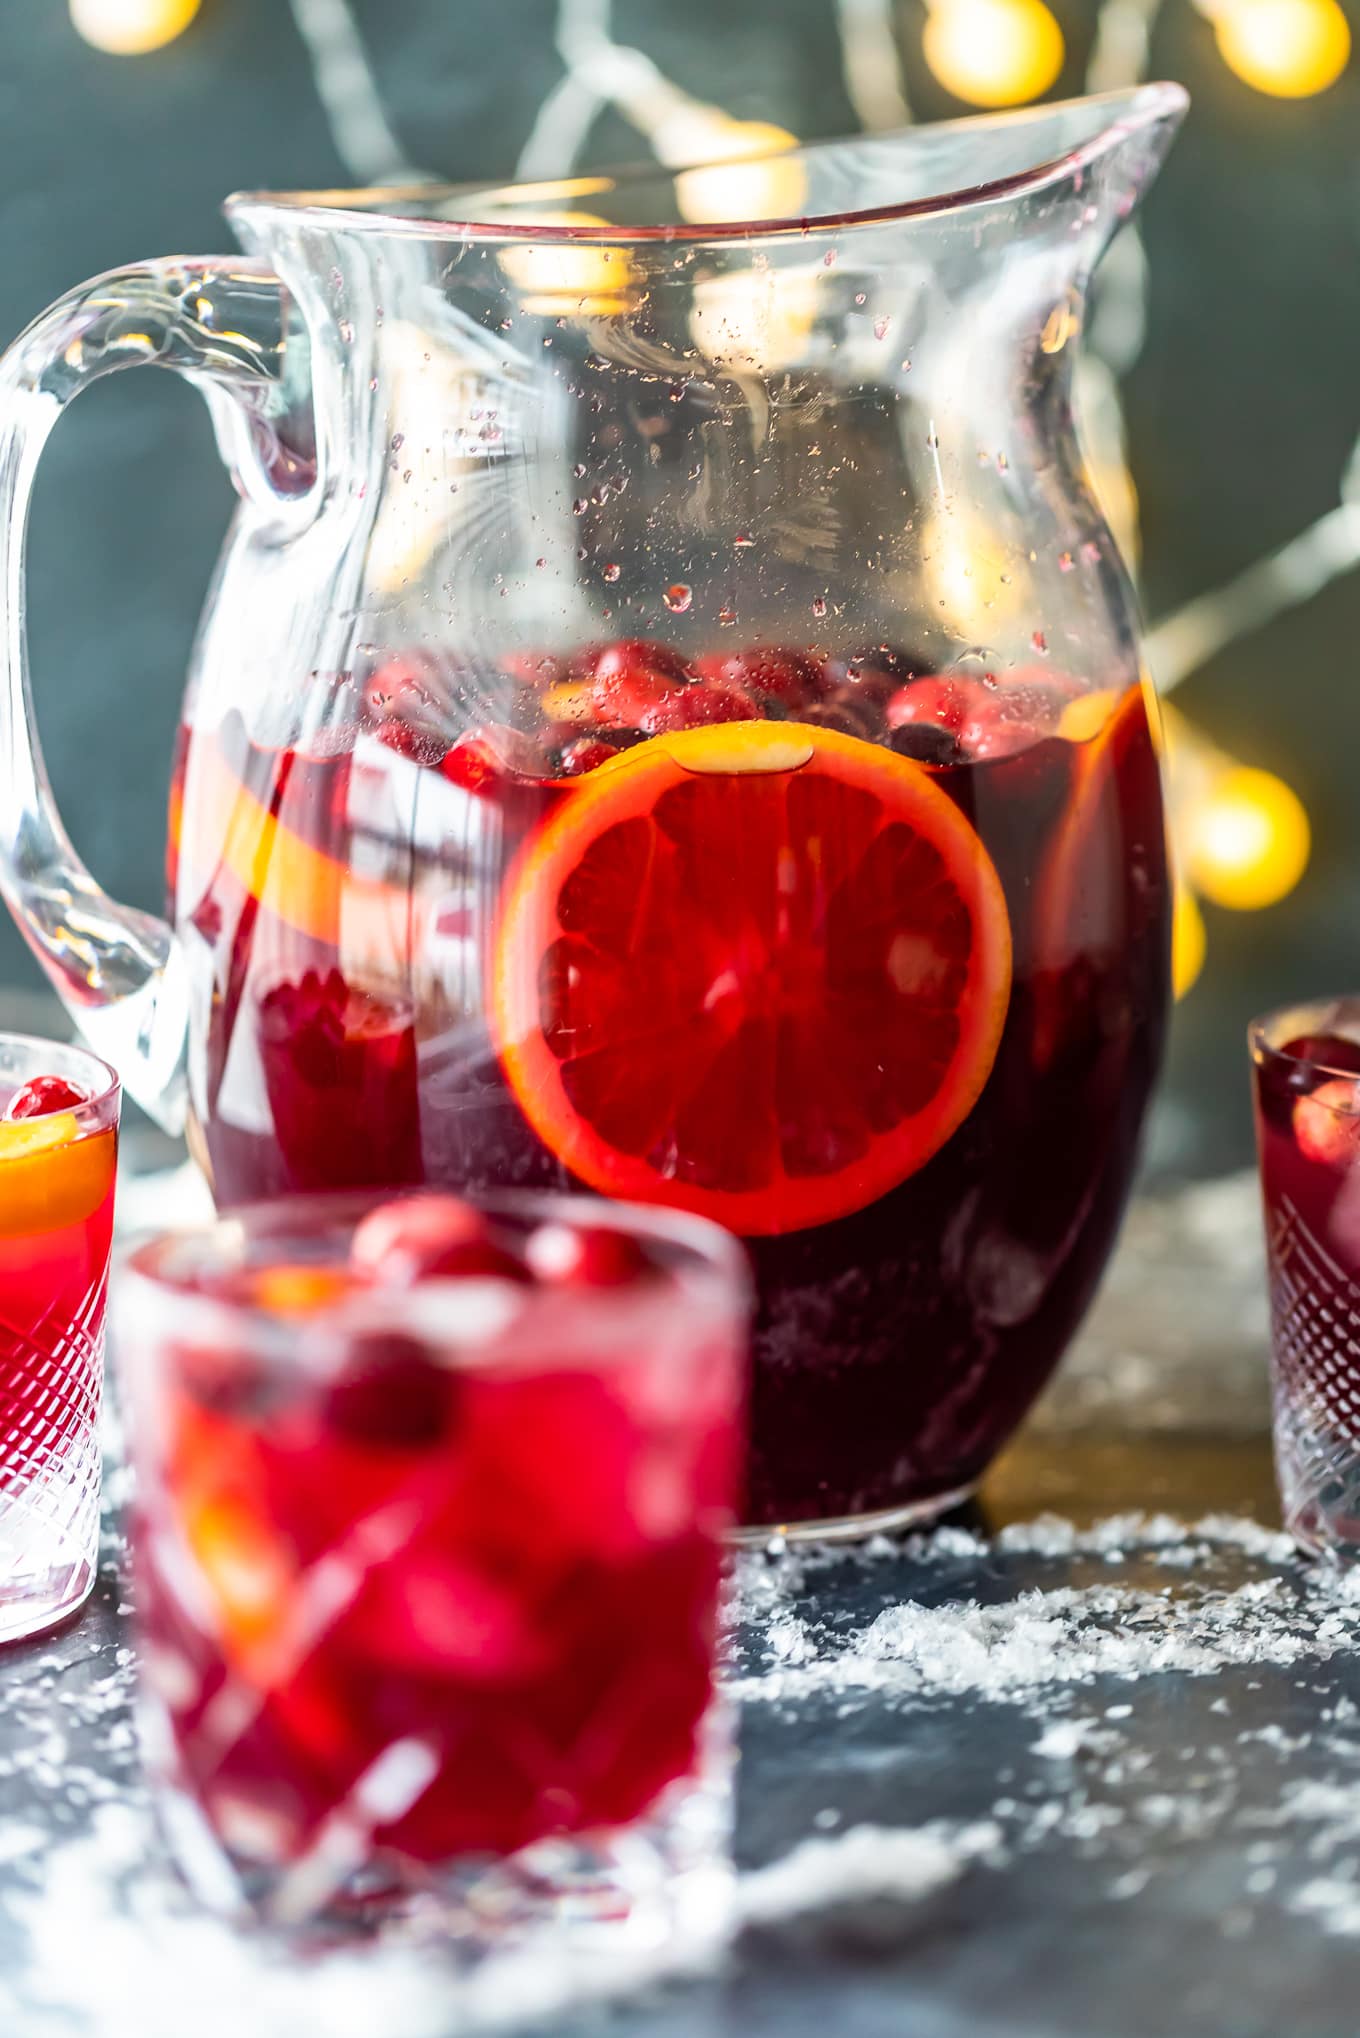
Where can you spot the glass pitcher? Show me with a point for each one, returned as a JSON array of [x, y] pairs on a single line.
[[668, 718]]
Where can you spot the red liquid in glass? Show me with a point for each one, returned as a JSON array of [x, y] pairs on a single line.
[[486, 1577], [56, 1224], [351, 925]]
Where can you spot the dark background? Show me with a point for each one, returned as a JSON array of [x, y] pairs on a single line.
[[1242, 408]]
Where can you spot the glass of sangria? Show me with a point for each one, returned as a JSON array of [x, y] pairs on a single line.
[[428, 1547], [1306, 1062], [58, 1156]]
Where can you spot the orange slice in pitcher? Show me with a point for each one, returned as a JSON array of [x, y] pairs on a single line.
[[757, 970]]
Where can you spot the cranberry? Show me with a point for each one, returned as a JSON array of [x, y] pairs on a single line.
[[582, 754], [694, 703], [788, 679], [421, 746], [400, 684], [585, 1256], [421, 1238], [1329, 1052], [876, 671], [631, 678], [43, 1094], [393, 1395], [1011, 717], [948, 703], [486, 759], [850, 716], [927, 742], [1327, 1124]]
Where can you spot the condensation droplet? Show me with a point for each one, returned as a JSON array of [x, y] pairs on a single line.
[[727, 617], [406, 474], [829, 259], [1002, 464], [580, 506], [612, 571], [694, 473], [1040, 642], [861, 297], [743, 539], [881, 327], [346, 330], [372, 385], [1090, 552], [819, 605], [579, 469], [540, 562], [678, 597], [1065, 562], [397, 441]]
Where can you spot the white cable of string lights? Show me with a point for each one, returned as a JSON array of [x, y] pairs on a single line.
[[1284, 579], [349, 95], [871, 60]]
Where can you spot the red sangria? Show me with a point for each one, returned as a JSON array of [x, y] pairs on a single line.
[[1307, 1070], [58, 1149], [428, 1547], [866, 962]]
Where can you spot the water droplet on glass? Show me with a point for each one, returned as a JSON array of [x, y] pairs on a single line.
[[727, 617], [579, 469], [611, 571], [346, 330], [861, 297], [906, 365], [397, 441], [580, 551], [540, 562], [1090, 552], [829, 259], [678, 597], [1065, 562], [743, 539], [819, 605], [1040, 642], [372, 385], [1002, 464], [580, 506], [881, 328], [694, 474], [337, 280]]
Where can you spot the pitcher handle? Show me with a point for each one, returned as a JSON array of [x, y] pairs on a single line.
[[219, 321]]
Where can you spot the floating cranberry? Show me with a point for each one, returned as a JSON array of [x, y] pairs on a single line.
[[631, 678], [425, 1238], [1328, 1053], [421, 746], [393, 1395], [695, 703], [583, 754], [927, 742], [485, 760], [585, 1256], [1327, 1124], [788, 679], [948, 703], [850, 716], [43, 1094]]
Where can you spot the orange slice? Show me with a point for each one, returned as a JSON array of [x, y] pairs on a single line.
[[1104, 871], [52, 1173], [757, 970]]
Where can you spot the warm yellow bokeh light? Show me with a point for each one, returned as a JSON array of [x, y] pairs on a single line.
[[1245, 843], [1291, 48], [750, 176], [129, 28], [1188, 940], [993, 52], [558, 277]]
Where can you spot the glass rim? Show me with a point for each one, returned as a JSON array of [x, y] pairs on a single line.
[[1310, 1016], [360, 210], [714, 1266], [111, 1086]]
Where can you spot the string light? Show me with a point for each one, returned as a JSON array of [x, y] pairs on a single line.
[[584, 278], [129, 28], [1288, 48], [745, 170], [1188, 940], [1246, 842], [993, 52]]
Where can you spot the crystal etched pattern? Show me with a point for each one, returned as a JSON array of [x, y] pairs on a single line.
[[50, 1384], [1315, 1307]]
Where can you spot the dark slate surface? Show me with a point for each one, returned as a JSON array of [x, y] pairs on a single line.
[[1187, 1864]]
